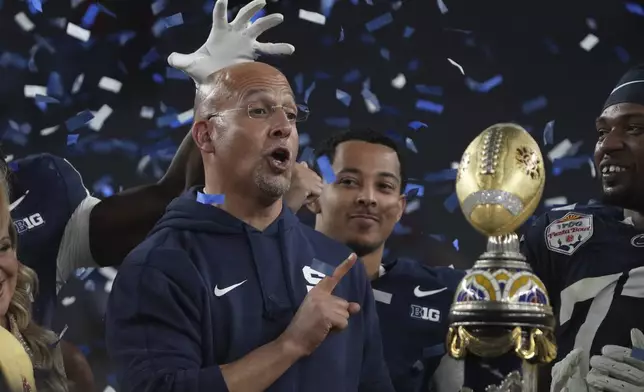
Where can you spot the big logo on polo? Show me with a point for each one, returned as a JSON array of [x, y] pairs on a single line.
[[638, 241], [29, 223], [427, 314], [312, 277]]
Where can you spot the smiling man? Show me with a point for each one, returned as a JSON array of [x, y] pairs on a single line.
[[591, 257], [360, 207]]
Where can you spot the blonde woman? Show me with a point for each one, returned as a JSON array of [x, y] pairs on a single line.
[[17, 282]]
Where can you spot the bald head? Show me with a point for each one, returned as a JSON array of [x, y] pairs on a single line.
[[235, 83]]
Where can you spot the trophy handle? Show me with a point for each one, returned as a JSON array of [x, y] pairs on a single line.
[[525, 350], [457, 344]]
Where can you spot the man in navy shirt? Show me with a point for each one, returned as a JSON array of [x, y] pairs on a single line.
[[230, 292], [359, 206], [591, 257]]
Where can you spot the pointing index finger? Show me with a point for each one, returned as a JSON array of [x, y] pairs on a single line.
[[329, 283]]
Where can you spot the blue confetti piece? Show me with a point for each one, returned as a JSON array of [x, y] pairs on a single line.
[[408, 32], [566, 163], [321, 266], [308, 92], [79, 120], [416, 125], [351, 76], [338, 122], [173, 73], [72, 139], [399, 229], [418, 189], [45, 99], [210, 199], [635, 8], [371, 98], [258, 15], [637, 353], [430, 90], [150, 57], [14, 60], [321, 75], [429, 106], [158, 79], [451, 203], [84, 349], [411, 194], [299, 83], [485, 86], [173, 20], [324, 165], [158, 6], [1, 4], [384, 52], [535, 104], [548, 133], [455, 244], [341, 35], [55, 85], [106, 190], [35, 6], [440, 176], [90, 16], [343, 97], [305, 139], [622, 54], [307, 155], [379, 22]]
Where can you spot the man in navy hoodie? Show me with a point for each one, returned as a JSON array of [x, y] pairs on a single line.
[[359, 206], [230, 292]]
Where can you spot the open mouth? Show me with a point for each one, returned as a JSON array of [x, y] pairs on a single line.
[[279, 159], [609, 169]]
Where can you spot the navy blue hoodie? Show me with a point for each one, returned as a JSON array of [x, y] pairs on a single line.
[[205, 289]]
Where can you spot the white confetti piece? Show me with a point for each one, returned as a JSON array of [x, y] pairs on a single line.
[[31, 91], [147, 112], [8, 158], [109, 389], [110, 84], [49, 131], [186, 116], [399, 81], [108, 286], [555, 201], [143, 163], [457, 65], [99, 117], [78, 83], [76, 3], [442, 7], [589, 42], [78, 32], [560, 150], [412, 206], [312, 17], [24, 22], [108, 272], [454, 165], [68, 301], [593, 169]]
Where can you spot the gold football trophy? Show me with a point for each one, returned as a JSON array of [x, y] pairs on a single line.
[[501, 321]]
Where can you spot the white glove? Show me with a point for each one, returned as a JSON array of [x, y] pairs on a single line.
[[616, 370], [566, 374], [230, 43]]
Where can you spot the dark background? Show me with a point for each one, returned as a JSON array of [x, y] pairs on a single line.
[[533, 46]]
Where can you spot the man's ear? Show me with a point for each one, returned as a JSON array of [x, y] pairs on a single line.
[[201, 134], [402, 205], [314, 206]]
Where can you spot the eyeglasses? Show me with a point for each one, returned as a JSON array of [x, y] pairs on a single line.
[[263, 112]]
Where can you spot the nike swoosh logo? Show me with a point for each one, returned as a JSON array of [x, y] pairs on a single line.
[[17, 202], [219, 292], [419, 293]]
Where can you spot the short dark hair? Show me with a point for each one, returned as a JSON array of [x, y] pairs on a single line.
[[329, 146]]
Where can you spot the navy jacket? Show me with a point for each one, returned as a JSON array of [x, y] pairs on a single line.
[[591, 260], [413, 302], [205, 289]]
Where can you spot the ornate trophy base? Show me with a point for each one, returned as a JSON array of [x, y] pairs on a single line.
[[506, 373]]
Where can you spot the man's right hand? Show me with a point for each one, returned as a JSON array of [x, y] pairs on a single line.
[[321, 312], [306, 187]]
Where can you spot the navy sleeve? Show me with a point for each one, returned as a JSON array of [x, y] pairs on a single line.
[[375, 375], [71, 179], [533, 247], [153, 326]]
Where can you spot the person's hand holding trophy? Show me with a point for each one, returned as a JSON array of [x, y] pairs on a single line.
[[501, 321]]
